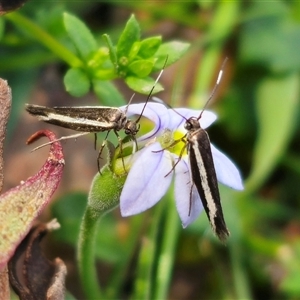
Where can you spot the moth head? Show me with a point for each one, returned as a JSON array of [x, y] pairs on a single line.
[[131, 128], [192, 124]]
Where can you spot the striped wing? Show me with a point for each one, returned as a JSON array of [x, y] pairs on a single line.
[[81, 118], [205, 179]]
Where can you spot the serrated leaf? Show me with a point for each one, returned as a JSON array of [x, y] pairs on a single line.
[[171, 50], [80, 35], [141, 68], [76, 82], [277, 104], [108, 93], [149, 46], [143, 85], [130, 34]]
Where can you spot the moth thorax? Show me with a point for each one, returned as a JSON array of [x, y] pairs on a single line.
[[120, 121], [192, 124], [131, 127]]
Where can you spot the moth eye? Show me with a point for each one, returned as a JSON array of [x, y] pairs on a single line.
[[187, 125]]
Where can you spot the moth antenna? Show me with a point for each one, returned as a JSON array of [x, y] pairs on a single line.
[[151, 91], [168, 106], [215, 87], [129, 102], [73, 136]]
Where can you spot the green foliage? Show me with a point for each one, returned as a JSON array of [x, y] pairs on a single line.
[[131, 58], [258, 127], [72, 77], [80, 36]]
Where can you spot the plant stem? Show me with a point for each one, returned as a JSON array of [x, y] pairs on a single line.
[[86, 255], [44, 38], [166, 256]]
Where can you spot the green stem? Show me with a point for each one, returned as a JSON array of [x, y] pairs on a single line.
[[116, 281], [146, 263], [86, 255], [166, 256], [44, 38], [221, 26], [240, 279]]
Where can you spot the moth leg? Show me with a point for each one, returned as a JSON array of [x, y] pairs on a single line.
[[100, 150], [182, 139], [121, 148], [73, 136], [95, 142], [102, 145], [178, 160]]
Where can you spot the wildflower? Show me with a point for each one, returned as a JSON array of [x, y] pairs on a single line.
[[151, 170]]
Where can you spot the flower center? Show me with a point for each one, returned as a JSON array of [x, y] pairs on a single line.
[[172, 141]]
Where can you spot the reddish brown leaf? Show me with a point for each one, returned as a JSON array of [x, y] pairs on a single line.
[[10, 5], [20, 206], [5, 104], [39, 278]]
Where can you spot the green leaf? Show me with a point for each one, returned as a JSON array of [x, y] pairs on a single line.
[[108, 93], [130, 34], [134, 51], [277, 105], [80, 35], [2, 26], [143, 85], [112, 50], [76, 82], [280, 51], [149, 46], [141, 68], [171, 50]]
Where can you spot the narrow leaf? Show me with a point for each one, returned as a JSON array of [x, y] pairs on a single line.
[[130, 34], [112, 50], [277, 105], [80, 35]]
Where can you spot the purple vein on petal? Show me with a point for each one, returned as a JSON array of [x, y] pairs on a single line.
[[146, 183]]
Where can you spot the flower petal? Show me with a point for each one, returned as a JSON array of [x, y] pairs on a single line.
[[188, 204], [155, 112], [227, 172], [146, 182], [178, 121]]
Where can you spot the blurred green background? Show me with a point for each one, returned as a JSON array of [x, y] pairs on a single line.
[[257, 105]]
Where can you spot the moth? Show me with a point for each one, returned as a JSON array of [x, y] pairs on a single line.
[[91, 119], [203, 174]]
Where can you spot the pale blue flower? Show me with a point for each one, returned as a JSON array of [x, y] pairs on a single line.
[[147, 180]]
